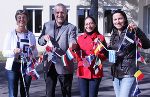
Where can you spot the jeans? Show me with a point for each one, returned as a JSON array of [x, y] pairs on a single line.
[[124, 87], [64, 79], [10, 78], [13, 79], [89, 87]]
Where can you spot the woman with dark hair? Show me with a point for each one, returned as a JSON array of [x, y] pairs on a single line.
[[16, 46], [125, 66], [89, 70]]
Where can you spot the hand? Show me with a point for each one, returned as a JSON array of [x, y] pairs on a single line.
[[75, 47], [46, 37], [32, 47], [132, 26], [17, 50]]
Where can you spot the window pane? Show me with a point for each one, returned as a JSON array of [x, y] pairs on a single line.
[[82, 13], [81, 17], [30, 21], [38, 21], [108, 21], [108, 24], [148, 20]]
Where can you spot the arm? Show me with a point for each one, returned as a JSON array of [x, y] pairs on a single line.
[[103, 54], [41, 40], [33, 44], [144, 40], [7, 50], [72, 37]]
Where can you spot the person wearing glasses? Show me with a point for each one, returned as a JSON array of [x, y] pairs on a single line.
[[62, 35], [123, 41], [16, 44], [90, 57]]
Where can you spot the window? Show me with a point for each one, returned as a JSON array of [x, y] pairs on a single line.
[[82, 12], [108, 21], [108, 17], [35, 19], [148, 17], [146, 20]]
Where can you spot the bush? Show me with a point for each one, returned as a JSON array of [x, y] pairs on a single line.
[[2, 59]]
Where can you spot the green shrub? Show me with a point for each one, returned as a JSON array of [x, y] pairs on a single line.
[[2, 59]]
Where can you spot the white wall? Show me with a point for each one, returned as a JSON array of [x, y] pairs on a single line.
[[8, 9], [7, 19]]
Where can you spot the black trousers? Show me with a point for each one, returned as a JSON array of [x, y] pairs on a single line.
[[64, 79], [16, 78], [24, 90]]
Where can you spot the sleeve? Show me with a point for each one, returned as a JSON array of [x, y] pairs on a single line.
[[103, 53], [41, 40], [77, 55], [72, 36], [33, 42], [78, 51], [144, 40], [7, 50], [110, 44]]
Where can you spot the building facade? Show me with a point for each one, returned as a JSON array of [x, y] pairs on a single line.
[[41, 11]]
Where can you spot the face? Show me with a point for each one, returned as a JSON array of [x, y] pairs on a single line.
[[60, 15], [89, 25], [21, 20], [118, 21]]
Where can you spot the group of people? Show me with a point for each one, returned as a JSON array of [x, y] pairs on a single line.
[[63, 35]]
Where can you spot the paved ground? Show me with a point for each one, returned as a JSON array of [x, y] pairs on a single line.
[[105, 89]]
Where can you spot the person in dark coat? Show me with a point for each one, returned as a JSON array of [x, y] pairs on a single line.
[[123, 42]]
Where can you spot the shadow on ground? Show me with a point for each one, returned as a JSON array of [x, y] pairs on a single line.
[[105, 89]]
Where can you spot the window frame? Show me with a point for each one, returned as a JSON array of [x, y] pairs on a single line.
[[105, 8], [86, 13], [34, 8]]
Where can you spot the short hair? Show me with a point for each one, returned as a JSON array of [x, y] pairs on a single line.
[[19, 12], [62, 5]]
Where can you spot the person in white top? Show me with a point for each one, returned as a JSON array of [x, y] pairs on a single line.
[[16, 44]]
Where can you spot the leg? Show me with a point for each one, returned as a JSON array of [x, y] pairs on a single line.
[[16, 80], [25, 85], [84, 87], [28, 80], [66, 84], [94, 86], [51, 81], [126, 87], [116, 84], [10, 77]]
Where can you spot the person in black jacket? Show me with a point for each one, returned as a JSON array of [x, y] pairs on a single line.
[[123, 42]]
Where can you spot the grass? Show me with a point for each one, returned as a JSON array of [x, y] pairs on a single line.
[[2, 59]]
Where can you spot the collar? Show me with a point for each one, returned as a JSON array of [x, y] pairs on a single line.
[[56, 26], [92, 36]]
